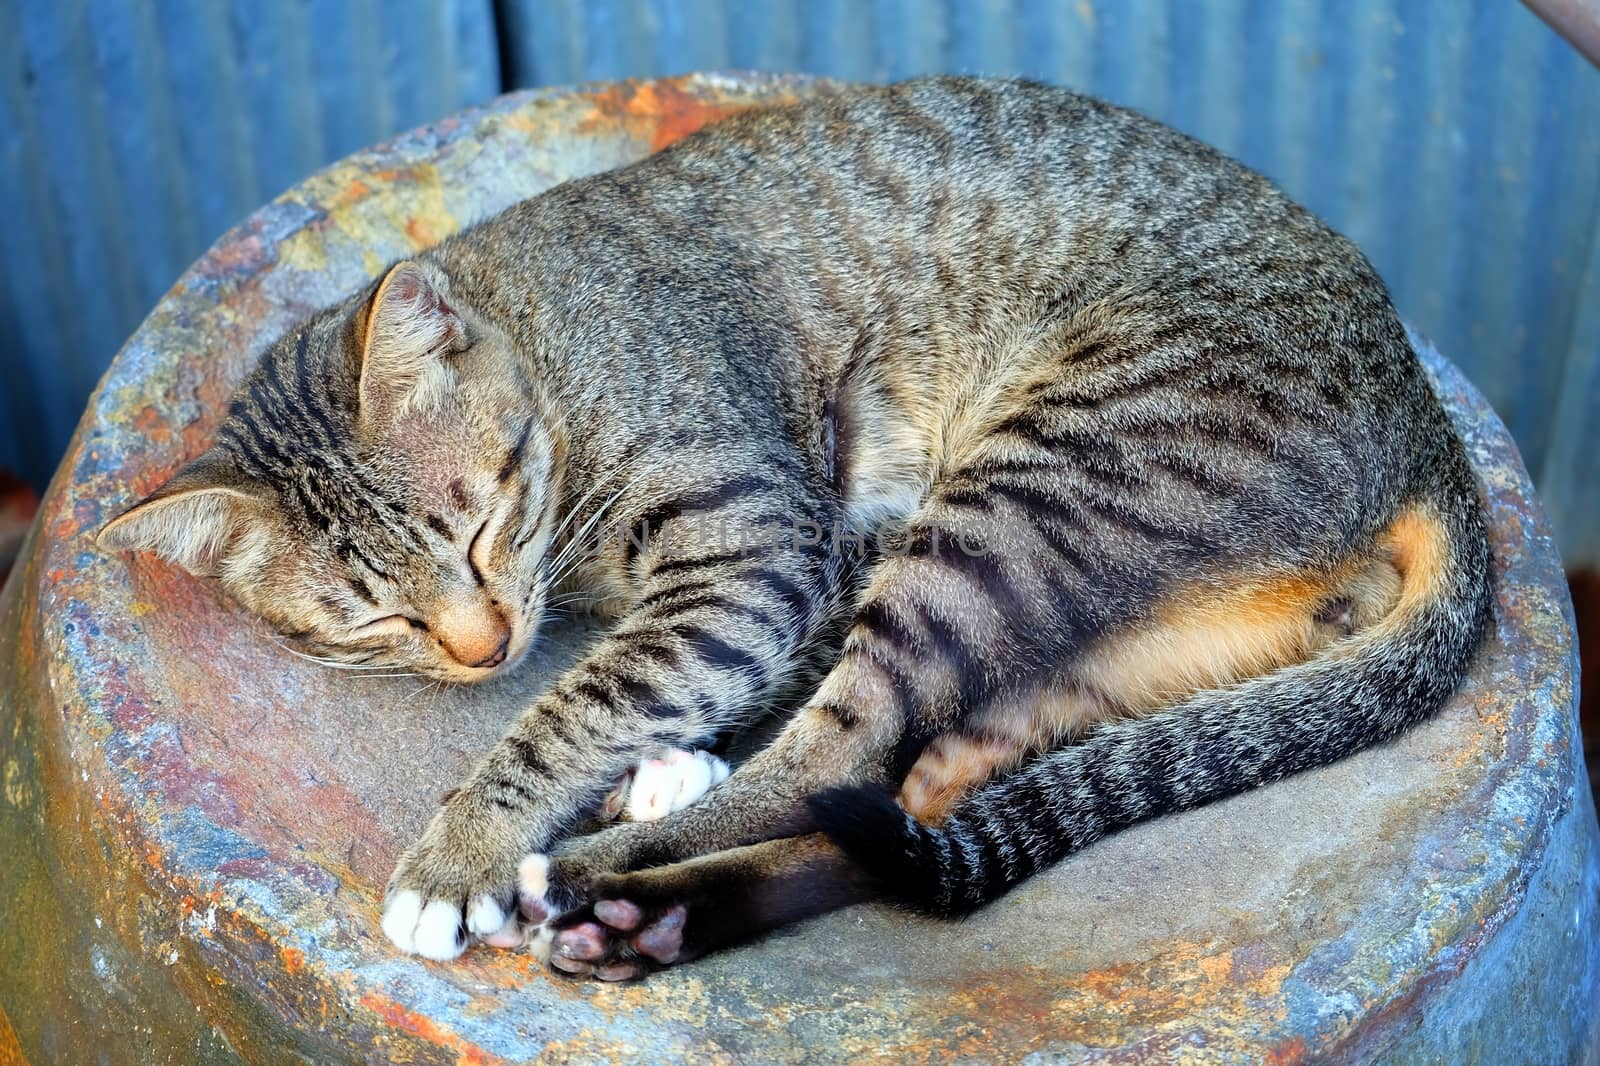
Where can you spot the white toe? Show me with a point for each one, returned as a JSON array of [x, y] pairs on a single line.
[[484, 916], [438, 931], [694, 781], [533, 876], [540, 941], [400, 919], [671, 783], [650, 795], [510, 935]]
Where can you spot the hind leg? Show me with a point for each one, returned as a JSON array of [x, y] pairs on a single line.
[[642, 921], [1060, 528]]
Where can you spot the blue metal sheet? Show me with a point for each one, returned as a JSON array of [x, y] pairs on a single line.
[[1458, 141], [134, 132]]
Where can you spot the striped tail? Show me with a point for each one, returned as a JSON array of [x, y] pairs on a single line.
[[1214, 744]]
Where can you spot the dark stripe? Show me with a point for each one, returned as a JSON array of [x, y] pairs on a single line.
[[636, 690], [946, 642], [251, 461], [652, 521], [650, 646], [310, 394], [680, 566], [515, 787], [1030, 498], [1196, 473], [514, 459], [440, 526], [672, 592], [528, 755], [718, 653], [797, 598], [881, 622], [1123, 514], [1061, 542], [845, 717], [268, 448], [972, 499]]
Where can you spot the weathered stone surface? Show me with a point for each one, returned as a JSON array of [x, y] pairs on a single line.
[[196, 826]]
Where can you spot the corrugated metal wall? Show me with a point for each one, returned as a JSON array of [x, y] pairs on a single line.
[[1457, 140], [133, 133]]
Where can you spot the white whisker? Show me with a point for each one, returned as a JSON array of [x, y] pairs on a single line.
[[332, 664], [575, 541]]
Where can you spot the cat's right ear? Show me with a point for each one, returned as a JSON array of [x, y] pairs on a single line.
[[407, 335], [189, 520]]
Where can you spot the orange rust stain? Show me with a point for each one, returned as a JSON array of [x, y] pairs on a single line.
[[678, 113], [10, 1047], [422, 1026], [294, 960], [424, 231], [664, 105], [152, 425], [1290, 1052]]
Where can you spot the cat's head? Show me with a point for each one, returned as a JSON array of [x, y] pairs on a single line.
[[381, 490]]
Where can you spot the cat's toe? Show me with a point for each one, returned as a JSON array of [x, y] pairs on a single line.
[[513, 934], [661, 939], [619, 940], [571, 967], [671, 783], [400, 916], [430, 928], [619, 914], [439, 933], [533, 887], [485, 916], [586, 941], [621, 971]]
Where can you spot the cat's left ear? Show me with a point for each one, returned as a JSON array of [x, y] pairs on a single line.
[[408, 333], [193, 519]]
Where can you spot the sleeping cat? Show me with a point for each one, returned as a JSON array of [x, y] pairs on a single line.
[[1112, 469]]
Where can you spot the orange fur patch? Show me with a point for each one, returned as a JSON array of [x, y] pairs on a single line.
[[1198, 640]]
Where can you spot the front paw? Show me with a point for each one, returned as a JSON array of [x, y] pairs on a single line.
[[457, 882]]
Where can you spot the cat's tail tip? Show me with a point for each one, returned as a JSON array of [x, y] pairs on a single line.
[[899, 853]]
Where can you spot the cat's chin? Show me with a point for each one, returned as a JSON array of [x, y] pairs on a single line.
[[468, 675]]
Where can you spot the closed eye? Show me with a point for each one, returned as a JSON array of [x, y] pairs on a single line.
[[472, 553], [392, 625]]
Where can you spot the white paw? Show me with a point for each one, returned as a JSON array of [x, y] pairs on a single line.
[[432, 930], [485, 917], [671, 783]]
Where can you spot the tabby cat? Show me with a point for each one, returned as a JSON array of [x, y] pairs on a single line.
[[1112, 469]]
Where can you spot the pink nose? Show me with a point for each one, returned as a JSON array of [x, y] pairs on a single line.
[[474, 634], [498, 656]]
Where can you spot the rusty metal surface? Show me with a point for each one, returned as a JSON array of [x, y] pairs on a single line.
[[198, 826]]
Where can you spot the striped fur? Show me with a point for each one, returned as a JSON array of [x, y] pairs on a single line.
[[1176, 510]]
